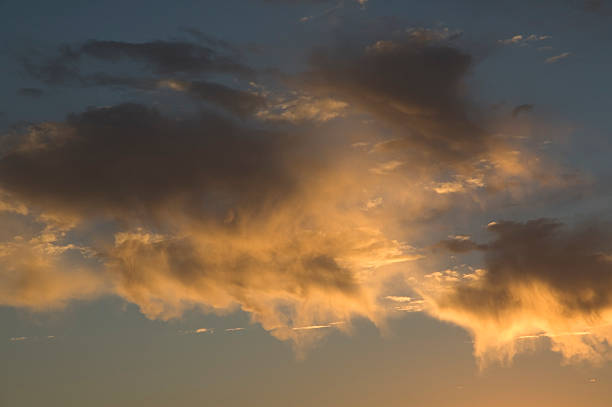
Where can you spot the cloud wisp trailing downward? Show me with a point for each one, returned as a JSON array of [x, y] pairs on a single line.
[[557, 58], [541, 279]]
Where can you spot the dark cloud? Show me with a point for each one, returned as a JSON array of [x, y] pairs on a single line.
[[165, 57], [236, 101], [521, 109], [575, 263], [415, 85], [131, 157], [162, 57], [199, 212], [239, 102], [31, 92], [541, 278], [167, 61]]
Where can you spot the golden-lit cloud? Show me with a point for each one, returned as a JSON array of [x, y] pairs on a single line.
[[523, 40], [41, 273], [205, 214], [296, 206], [304, 108], [541, 281], [557, 58]]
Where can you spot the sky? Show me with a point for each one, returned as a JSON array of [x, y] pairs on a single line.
[[305, 202]]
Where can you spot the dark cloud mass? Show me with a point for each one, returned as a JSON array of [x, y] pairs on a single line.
[[542, 278], [203, 212], [575, 263], [416, 85], [130, 157], [177, 65], [163, 57]]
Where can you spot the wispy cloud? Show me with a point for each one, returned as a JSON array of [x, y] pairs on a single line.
[[557, 58], [542, 279], [523, 40], [311, 327], [233, 330], [198, 331], [31, 338]]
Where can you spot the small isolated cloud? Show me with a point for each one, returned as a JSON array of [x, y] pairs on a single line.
[[203, 330], [312, 327], [523, 40], [386, 167], [557, 58], [459, 184], [398, 298], [459, 244], [521, 109], [407, 304], [31, 338], [234, 330], [198, 331], [431, 35], [303, 108]]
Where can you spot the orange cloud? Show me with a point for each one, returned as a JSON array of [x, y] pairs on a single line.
[[542, 281]]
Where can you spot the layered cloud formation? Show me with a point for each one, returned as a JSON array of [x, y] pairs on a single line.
[[293, 197]]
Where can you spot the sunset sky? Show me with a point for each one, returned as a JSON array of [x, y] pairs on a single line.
[[306, 203]]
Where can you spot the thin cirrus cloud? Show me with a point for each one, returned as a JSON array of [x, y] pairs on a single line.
[[523, 40], [557, 58]]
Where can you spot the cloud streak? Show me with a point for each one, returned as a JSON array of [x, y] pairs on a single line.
[[557, 58]]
